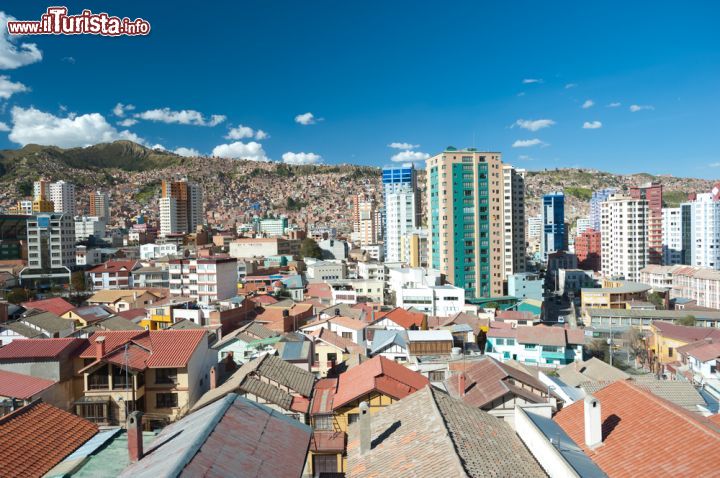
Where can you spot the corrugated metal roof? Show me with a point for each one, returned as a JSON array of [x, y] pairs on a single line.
[[24, 387], [39, 348]]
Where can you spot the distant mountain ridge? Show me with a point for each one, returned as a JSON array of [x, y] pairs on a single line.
[[134, 171]]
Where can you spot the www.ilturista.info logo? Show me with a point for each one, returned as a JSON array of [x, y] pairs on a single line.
[[57, 22]]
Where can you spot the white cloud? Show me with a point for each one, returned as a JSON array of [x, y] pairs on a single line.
[[525, 157], [534, 125], [528, 81], [31, 125], [12, 54], [307, 119], [187, 152], [406, 156], [636, 108], [527, 143], [191, 117], [614, 104], [242, 132], [158, 146], [570, 85], [403, 146], [127, 122], [592, 125], [4, 126], [301, 158], [714, 165], [120, 109], [9, 88], [238, 150], [588, 104]]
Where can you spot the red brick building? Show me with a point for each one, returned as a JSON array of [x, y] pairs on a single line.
[[587, 250], [652, 193]]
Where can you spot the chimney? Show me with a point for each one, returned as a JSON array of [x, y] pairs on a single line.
[[134, 435], [100, 347], [213, 378], [593, 422], [461, 384], [365, 434]]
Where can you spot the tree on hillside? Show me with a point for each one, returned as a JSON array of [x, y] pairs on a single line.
[[18, 295], [77, 280], [688, 320], [310, 248]]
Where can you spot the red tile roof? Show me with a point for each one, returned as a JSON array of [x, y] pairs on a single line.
[[377, 374], [154, 348], [330, 337], [319, 290], [348, 322], [40, 348], [264, 299], [115, 266], [56, 305], [37, 437], [131, 314], [642, 433], [684, 333], [706, 352], [487, 380], [323, 395], [513, 315], [24, 387], [324, 441], [405, 318]]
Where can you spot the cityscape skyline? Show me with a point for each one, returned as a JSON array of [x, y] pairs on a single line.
[[643, 108]]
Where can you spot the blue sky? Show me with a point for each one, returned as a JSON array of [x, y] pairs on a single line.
[[373, 73]]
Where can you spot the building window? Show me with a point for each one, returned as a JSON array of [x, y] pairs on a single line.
[[166, 375], [353, 417], [529, 346], [323, 422], [499, 341], [436, 375], [347, 335], [670, 351], [166, 400]]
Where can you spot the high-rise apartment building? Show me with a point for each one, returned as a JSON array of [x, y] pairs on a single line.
[[402, 207], [168, 216], [86, 226], [513, 220], [596, 200], [62, 194], [41, 197], [676, 240], [705, 229], [365, 219], [100, 205], [414, 248], [51, 248], [186, 212], [624, 237], [205, 279], [534, 229], [582, 225], [41, 187], [652, 193], [465, 219], [553, 236]]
